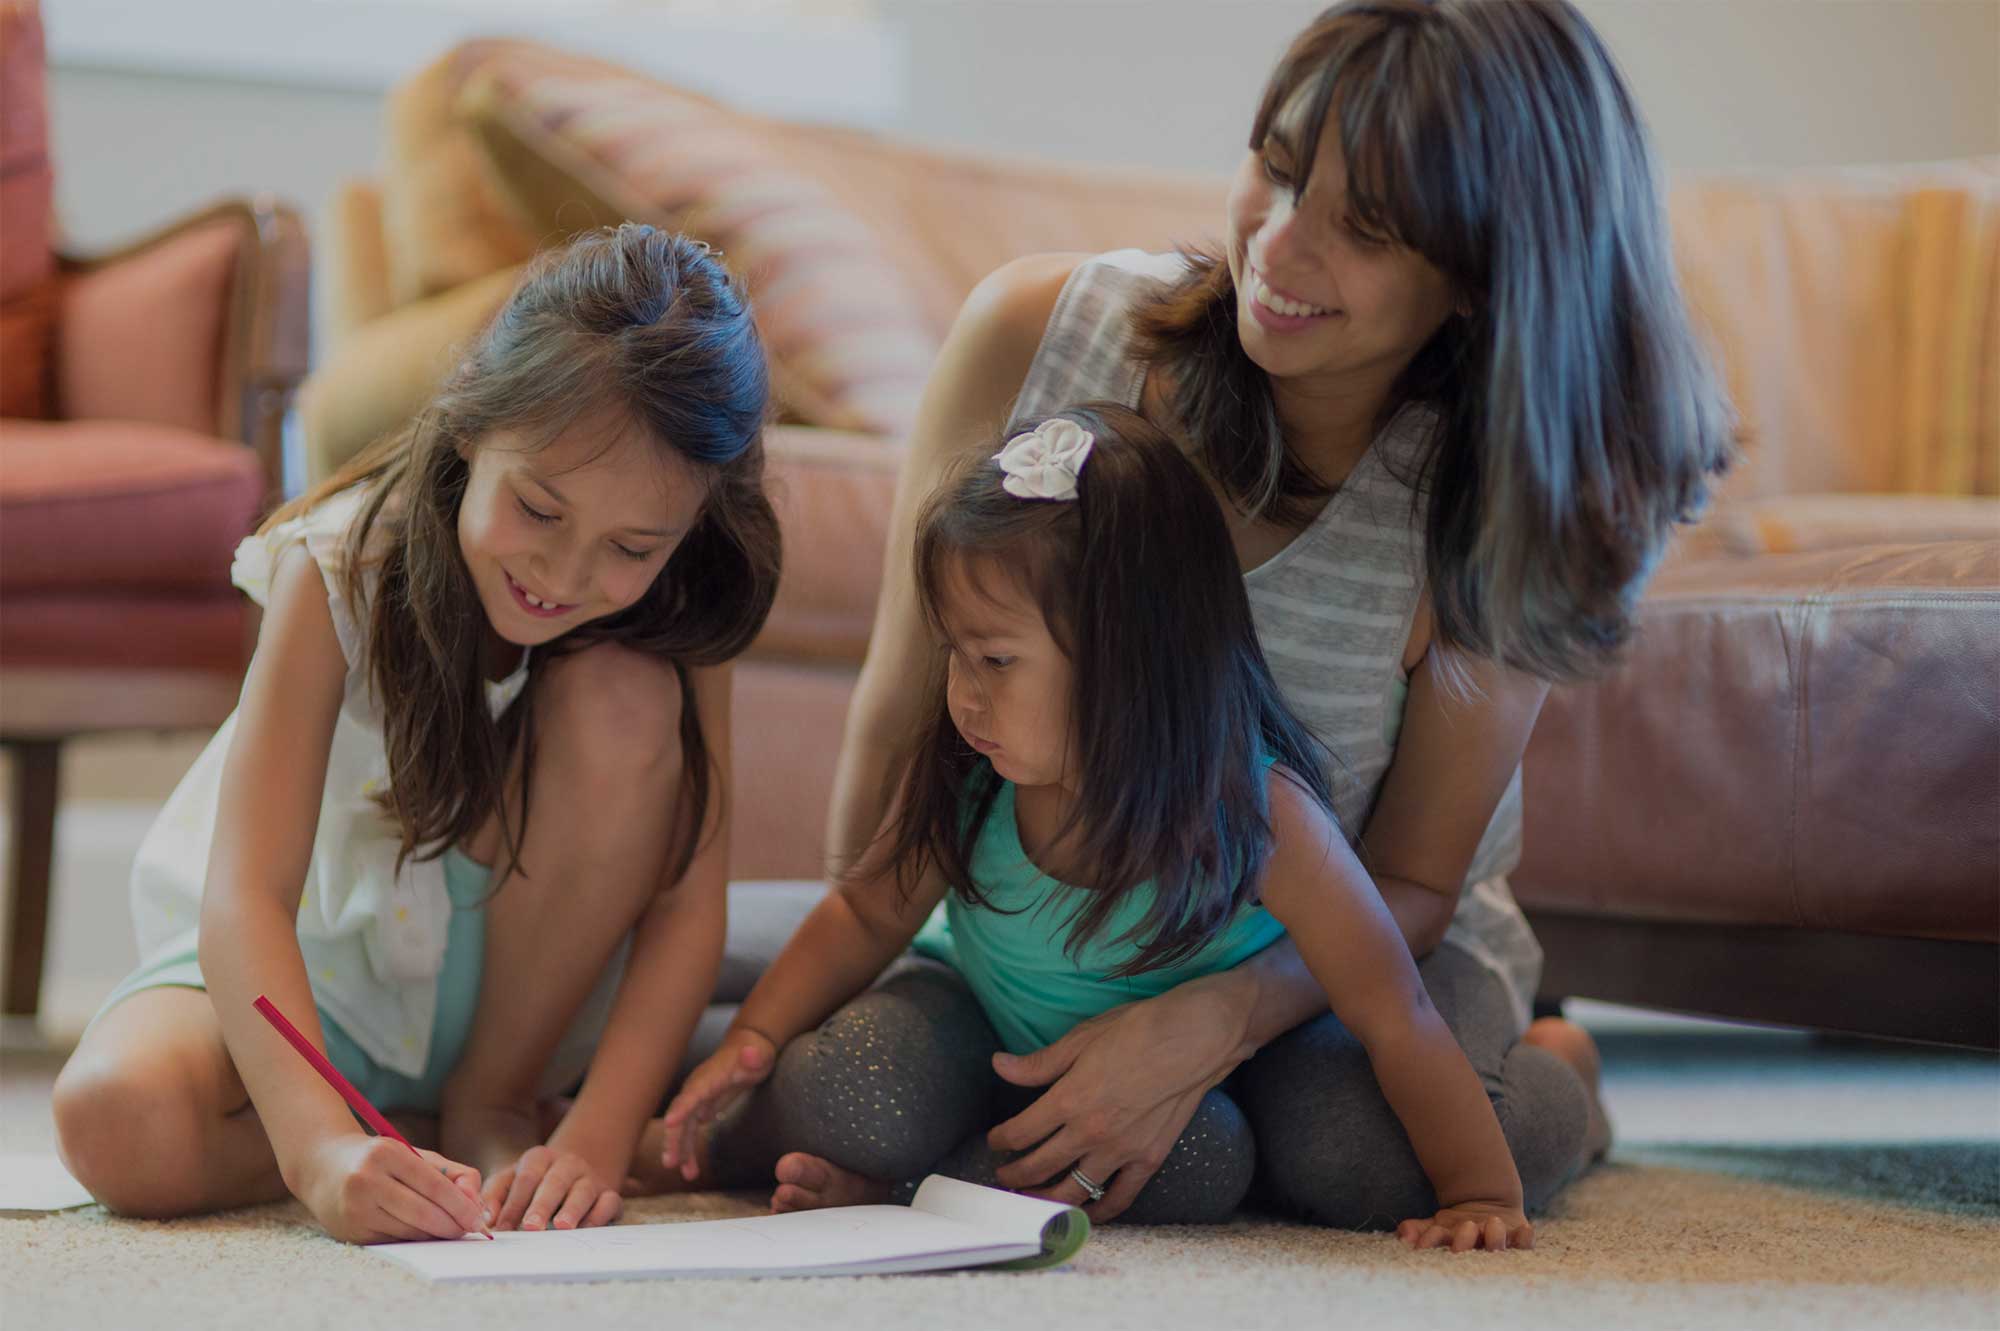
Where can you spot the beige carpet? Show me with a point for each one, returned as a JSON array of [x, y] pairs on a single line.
[[1902, 1237]]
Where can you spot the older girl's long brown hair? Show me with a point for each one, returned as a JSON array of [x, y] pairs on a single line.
[[630, 325]]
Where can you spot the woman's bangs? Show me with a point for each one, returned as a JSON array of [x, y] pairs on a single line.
[[1406, 182]]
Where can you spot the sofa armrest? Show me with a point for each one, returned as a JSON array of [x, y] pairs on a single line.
[[204, 324], [354, 262]]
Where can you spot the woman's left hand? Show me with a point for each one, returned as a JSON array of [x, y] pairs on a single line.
[[1122, 1088], [551, 1189]]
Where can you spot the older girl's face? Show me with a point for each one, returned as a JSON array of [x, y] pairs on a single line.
[[1317, 296], [576, 530]]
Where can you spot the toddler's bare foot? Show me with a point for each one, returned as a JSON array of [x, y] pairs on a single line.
[[807, 1183], [1573, 1045]]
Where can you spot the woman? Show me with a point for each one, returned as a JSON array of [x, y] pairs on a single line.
[[1442, 382]]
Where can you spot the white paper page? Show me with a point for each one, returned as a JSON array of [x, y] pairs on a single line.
[[849, 1240], [34, 1183], [990, 1211]]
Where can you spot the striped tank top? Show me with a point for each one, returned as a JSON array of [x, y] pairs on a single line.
[[1333, 609]]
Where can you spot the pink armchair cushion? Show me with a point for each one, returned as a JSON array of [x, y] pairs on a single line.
[[126, 631], [89, 507], [141, 338], [27, 261]]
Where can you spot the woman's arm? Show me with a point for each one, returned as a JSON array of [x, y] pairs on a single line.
[[966, 402], [267, 816], [1465, 727]]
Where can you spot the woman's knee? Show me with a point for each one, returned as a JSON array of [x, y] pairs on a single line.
[[1544, 1113], [128, 1132]]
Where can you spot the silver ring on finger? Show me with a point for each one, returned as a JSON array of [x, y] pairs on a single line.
[[1092, 1190]]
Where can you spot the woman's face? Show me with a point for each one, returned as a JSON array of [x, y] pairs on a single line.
[[1317, 297]]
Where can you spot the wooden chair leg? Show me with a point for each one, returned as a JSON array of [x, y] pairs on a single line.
[[33, 837]]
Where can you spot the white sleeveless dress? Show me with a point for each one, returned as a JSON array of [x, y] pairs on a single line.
[[1333, 609]]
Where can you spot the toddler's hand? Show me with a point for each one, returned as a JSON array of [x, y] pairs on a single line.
[[547, 1189], [1468, 1225], [745, 1059]]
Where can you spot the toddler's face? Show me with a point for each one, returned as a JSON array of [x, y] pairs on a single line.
[[574, 531], [1007, 682]]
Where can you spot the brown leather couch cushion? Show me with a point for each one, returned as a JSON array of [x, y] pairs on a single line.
[[1808, 740], [1801, 524], [120, 506], [785, 731], [834, 493]]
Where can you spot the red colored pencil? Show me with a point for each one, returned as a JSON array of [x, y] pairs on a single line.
[[348, 1092], [355, 1099]]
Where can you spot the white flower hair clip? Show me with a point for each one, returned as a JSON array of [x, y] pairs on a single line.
[[1044, 463]]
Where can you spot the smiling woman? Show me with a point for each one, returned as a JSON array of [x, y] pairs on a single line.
[[1440, 377]]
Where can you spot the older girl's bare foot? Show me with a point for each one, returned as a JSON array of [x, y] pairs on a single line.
[[1573, 1045], [808, 1183]]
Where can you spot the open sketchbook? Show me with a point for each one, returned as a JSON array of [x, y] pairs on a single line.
[[35, 1184], [950, 1224]]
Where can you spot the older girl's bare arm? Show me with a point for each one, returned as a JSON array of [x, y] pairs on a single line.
[[268, 813]]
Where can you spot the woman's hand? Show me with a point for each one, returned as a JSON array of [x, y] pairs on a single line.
[[744, 1060], [549, 1188], [1495, 1226], [1125, 1085], [373, 1190]]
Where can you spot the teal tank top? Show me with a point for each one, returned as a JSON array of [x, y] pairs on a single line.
[[1013, 955]]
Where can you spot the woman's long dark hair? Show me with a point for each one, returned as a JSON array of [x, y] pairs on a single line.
[[1173, 707], [630, 325], [1578, 418]]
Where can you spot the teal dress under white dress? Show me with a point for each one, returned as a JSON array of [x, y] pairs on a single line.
[[394, 955]]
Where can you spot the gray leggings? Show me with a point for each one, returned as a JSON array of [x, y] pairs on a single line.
[[899, 1084]]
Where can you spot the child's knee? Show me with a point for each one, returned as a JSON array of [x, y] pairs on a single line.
[[609, 709], [873, 1095], [126, 1133], [1207, 1174]]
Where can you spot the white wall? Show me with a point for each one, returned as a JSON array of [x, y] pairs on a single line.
[[1725, 83]]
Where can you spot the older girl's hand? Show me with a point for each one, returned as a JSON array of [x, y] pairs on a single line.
[[1122, 1088], [551, 1189]]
